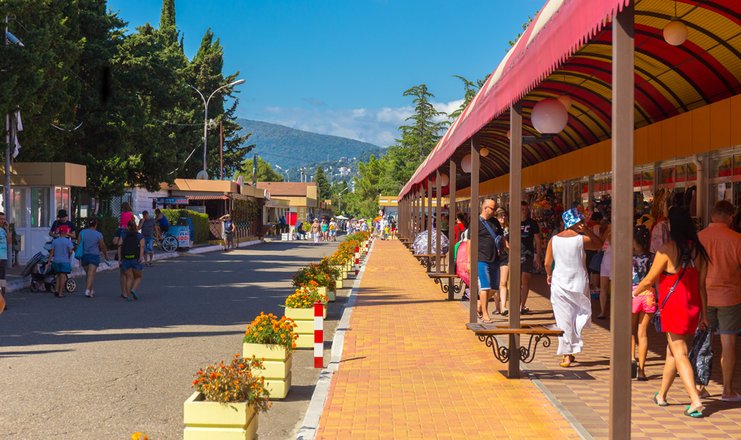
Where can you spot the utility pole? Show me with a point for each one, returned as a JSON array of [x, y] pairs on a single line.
[[8, 140]]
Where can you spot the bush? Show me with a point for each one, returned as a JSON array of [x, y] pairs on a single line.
[[201, 230], [238, 381]]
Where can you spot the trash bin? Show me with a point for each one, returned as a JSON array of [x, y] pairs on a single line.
[[186, 242]]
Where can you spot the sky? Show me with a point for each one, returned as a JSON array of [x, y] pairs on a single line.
[[340, 67]]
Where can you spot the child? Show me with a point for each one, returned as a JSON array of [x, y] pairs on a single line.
[[60, 258], [644, 305]]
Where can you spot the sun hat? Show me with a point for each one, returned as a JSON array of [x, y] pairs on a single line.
[[571, 217]]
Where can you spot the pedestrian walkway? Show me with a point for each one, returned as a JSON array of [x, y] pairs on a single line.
[[583, 390], [410, 369]]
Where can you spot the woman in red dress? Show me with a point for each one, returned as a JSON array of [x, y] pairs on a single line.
[[680, 267]]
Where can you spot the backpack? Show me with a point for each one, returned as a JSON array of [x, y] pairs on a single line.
[[130, 247]]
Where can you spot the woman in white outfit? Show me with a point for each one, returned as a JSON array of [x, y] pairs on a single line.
[[569, 282]]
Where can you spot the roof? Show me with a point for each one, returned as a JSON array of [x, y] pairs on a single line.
[[567, 51], [198, 185], [294, 189]]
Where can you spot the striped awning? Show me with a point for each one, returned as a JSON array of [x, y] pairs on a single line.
[[210, 197], [567, 50]]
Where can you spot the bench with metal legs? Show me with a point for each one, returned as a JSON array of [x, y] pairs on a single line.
[[537, 332], [449, 286]]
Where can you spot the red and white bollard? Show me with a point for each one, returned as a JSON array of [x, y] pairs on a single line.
[[318, 335]]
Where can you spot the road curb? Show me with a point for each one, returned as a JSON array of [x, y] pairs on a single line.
[[22, 283], [310, 425]]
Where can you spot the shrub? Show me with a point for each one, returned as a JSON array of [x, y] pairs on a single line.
[[305, 297], [234, 382], [314, 273], [201, 230], [268, 329]]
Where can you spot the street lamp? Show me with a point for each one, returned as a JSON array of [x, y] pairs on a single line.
[[204, 174], [9, 140]]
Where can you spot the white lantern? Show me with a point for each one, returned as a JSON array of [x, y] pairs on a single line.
[[444, 180], [466, 163], [675, 33], [484, 152], [549, 116], [566, 101]]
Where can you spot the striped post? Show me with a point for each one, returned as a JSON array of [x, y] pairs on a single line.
[[318, 335]]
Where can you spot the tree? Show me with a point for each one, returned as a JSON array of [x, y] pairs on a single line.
[[367, 188], [427, 125], [524, 28], [322, 183], [265, 173], [470, 89]]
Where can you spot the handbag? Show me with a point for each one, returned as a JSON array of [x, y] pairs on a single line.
[[80, 249], [701, 356], [656, 319], [595, 264]]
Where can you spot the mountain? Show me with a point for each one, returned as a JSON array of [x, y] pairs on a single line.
[[289, 149]]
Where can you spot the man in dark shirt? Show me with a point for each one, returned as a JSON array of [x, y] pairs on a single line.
[[488, 261], [532, 251], [62, 220]]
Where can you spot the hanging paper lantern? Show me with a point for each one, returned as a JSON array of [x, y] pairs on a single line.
[[566, 101], [549, 116], [466, 163], [444, 180], [675, 33], [484, 152]]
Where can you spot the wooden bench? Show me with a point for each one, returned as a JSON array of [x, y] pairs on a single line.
[[487, 334], [449, 287]]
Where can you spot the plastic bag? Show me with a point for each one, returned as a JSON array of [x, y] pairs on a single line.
[[462, 263], [701, 356]]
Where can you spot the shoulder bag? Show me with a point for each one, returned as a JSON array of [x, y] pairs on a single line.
[[80, 249]]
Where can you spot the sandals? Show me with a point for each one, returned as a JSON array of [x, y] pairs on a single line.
[[505, 312], [524, 311], [136, 297], [656, 401], [567, 361], [695, 414]]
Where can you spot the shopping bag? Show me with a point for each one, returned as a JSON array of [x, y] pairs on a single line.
[[701, 356], [462, 263]]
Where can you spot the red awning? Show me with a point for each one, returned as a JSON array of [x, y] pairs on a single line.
[[559, 29]]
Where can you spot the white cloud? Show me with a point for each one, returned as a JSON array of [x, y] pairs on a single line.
[[378, 126]]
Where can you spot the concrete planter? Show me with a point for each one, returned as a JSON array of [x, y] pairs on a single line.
[[338, 284], [218, 421], [304, 319], [278, 361]]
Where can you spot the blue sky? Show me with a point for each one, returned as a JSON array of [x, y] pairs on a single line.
[[340, 67]]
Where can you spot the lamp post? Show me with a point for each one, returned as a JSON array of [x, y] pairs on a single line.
[[10, 140], [204, 174]]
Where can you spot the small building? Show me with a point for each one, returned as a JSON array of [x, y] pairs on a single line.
[[38, 191], [302, 197]]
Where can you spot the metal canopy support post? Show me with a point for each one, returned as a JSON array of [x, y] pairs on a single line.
[[429, 223], [515, 266], [439, 221], [473, 231], [623, 90], [452, 215]]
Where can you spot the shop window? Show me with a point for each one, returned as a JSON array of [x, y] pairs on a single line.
[[667, 175], [40, 205], [18, 207], [61, 196], [723, 167]]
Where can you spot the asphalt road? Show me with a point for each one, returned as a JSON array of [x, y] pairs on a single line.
[[103, 368]]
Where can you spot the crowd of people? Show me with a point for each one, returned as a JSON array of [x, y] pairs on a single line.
[[691, 280]]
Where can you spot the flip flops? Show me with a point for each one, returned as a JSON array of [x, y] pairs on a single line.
[[695, 414], [136, 297], [656, 401]]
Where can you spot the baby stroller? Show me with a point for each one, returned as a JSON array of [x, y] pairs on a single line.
[[41, 278]]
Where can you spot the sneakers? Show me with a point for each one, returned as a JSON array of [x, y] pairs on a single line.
[[89, 293]]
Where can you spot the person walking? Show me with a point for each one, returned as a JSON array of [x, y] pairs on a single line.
[[723, 284], [570, 283], [490, 243], [4, 235], [680, 267], [605, 270], [147, 227], [333, 229], [644, 305], [316, 230], [93, 246], [131, 257], [531, 252], [325, 230], [500, 297], [126, 216], [60, 259], [228, 234]]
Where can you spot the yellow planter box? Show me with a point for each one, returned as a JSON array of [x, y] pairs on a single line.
[[218, 421], [277, 372], [304, 319], [338, 284]]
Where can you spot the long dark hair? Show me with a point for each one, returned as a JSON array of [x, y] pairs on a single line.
[[682, 231]]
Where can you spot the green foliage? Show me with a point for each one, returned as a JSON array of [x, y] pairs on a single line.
[[426, 126], [200, 222], [322, 183], [265, 173], [524, 28], [470, 89]]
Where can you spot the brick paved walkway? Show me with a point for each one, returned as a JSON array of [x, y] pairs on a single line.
[[410, 369], [584, 389]]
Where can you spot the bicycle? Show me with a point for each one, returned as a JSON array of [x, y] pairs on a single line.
[[167, 242]]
